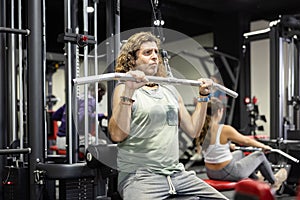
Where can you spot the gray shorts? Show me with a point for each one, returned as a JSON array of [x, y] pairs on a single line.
[[146, 185]]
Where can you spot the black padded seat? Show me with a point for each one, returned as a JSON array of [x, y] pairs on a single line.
[[66, 171]]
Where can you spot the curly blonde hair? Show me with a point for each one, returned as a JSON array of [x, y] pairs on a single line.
[[126, 59]]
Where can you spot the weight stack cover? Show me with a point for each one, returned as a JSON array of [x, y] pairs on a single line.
[[81, 188]]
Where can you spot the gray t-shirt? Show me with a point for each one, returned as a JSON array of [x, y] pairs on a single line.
[[153, 140]]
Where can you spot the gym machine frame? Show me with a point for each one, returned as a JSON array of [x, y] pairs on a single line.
[[278, 32], [73, 169], [13, 127], [284, 31]]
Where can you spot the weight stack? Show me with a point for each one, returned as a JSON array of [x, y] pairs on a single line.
[[81, 188]]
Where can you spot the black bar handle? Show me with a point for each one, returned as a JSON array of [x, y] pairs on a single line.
[[15, 151], [16, 31]]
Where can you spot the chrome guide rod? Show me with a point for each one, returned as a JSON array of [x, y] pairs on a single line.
[[68, 76], [13, 78], [20, 77], [127, 77], [85, 72], [96, 66]]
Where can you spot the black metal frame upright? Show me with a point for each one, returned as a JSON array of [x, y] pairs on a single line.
[[36, 112], [113, 35], [70, 23], [275, 93]]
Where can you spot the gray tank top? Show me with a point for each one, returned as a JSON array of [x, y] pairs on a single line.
[[153, 140]]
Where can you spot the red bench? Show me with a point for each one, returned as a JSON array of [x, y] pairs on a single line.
[[221, 185], [244, 189], [251, 189]]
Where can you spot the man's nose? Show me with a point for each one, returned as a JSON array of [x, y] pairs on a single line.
[[154, 55]]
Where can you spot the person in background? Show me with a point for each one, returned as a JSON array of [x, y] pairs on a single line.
[[221, 163], [145, 121], [60, 115], [91, 115]]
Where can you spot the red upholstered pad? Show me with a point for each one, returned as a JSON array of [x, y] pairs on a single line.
[[58, 151], [53, 148], [61, 152], [64, 152], [221, 185], [250, 187]]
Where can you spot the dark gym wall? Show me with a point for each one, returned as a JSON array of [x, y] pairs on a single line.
[[228, 31]]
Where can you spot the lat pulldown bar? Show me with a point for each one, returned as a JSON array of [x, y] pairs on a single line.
[[156, 79]]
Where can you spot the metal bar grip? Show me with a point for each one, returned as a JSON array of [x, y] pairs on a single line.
[[157, 79]]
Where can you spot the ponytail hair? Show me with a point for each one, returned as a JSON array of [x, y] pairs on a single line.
[[213, 106]]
